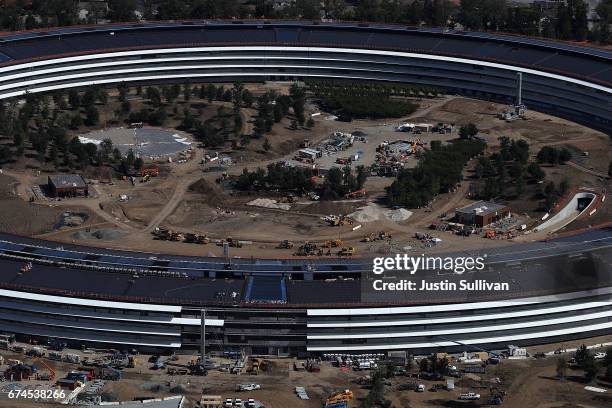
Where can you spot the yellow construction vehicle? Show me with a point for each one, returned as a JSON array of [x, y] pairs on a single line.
[[368, 238], [335, 243], [255, 367], [234, 243], [285, 244], [340, 397], [347, 251], [346, 220], [175, 236]]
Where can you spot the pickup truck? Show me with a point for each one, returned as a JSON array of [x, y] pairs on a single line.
[[469, 396]]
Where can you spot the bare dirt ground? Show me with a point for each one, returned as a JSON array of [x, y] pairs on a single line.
[[171, 201], [528, 383]]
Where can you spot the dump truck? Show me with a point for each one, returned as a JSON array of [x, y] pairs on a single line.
[[347, 251]]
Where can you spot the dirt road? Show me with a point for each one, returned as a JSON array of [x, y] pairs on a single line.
[[585, 170]]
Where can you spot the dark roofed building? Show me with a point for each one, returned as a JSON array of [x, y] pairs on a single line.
[[481, 213], [67, 185]]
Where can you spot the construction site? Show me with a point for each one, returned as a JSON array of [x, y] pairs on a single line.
[[191, 200], [57, 374], [208, 213]]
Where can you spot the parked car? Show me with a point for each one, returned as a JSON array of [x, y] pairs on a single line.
[[248, 387], [600, 355]]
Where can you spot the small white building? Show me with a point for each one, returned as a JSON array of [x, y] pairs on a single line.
[[514, 351]]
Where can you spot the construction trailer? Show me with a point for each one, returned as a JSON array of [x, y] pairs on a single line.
[[67, 185], [309, 153]]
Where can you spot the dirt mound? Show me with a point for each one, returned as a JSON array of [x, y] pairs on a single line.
[[401, 214], [211, 191], [269, 203], [373, 212], [369, 213]]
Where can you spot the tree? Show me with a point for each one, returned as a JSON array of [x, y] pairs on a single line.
[[610, 169], [266, 145], [74, 99], [5, 154], [310, 123], [536, 171], [126, 107], [581, 355], [548, 154], [92, 116], [561, 367], [247, 98], [153, 95], [187, 91], [121, 10], [138, 163], [89, 97], [468, 131], [76, 120], [106, 148], [564, 155], [563, 186], [590, 368]]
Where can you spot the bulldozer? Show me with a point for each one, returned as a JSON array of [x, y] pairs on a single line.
[[347, 251], [285, 244], [339, 397], [346, 220], [175, 236], [234, 243], [335, 243], [307, 249], [381, 236], [161, 234], [196, 239]]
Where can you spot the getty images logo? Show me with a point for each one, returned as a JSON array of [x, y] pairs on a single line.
[[412, 264]]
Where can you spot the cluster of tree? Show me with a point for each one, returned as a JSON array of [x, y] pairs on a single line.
[[273, 107], [506, 169], [276, 176], [567, 21], [552, 192], [584, 360], [362, 101], [41, 124], [343, 181], [376, 395], [298, 179], [552, 155], [439, 170]]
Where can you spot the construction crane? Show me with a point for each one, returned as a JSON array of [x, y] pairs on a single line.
[[51, 370]]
